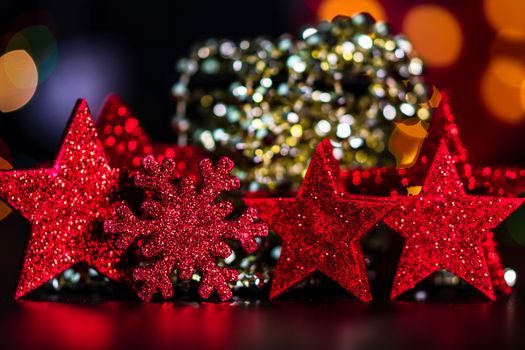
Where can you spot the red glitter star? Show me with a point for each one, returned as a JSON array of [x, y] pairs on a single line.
[[444, 228], [65, 205], [321, 228], [481, 181]]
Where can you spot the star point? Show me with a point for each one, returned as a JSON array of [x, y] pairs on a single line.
[[63, 204], [445, 228], [321, 228]]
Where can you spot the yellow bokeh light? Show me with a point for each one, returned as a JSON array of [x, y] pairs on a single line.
[[4, 208], [509, 70], [414, 190], [506, 14], [435, 33], [331, 8], [406, 141], [18, 80], [501, 87]]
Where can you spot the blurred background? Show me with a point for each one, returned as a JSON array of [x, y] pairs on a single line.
[[51, 53]]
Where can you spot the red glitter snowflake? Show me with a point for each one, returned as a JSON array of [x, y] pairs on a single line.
[[185, 228]]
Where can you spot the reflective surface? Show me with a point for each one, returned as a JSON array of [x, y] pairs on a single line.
[[298, 321], [341, 324]]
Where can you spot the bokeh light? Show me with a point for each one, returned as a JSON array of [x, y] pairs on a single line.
[[18, 80], [41, 45], [328, 9], [90, 68], [522, 94], [4, 208], [435, 33], [501, 88], [414, 190], [406, 141], [506, 14], [510, 277], [508, 69], [507, 75]]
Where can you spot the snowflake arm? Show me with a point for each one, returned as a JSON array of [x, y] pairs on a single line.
[[216, 279], [155, 277], [234, 230], [126, 224]]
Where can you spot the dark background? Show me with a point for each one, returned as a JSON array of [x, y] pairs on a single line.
[[130, 48]]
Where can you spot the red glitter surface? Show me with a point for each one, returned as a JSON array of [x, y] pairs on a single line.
[[444, 228], [321, 228], [126, 143], [185, 228], [486, 180], [65, 205]]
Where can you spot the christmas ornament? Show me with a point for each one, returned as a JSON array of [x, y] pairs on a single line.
[[126, 143], [477, 180], [268, 103], [321, 228], [185, 228], [444, 228], [66, 205]]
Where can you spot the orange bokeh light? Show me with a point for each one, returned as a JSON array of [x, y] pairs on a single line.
[[435, 33], [501, 87], [435, 100], [328, 9], [18, 80], [506, 14], [522, 94], [414, 190], [406, 141], [509, 70]]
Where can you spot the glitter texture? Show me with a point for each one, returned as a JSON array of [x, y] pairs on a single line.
[[477, 180], [184, 228], [321, 228], [66, 205], [126, 143], [444, 228], [268, 103]]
